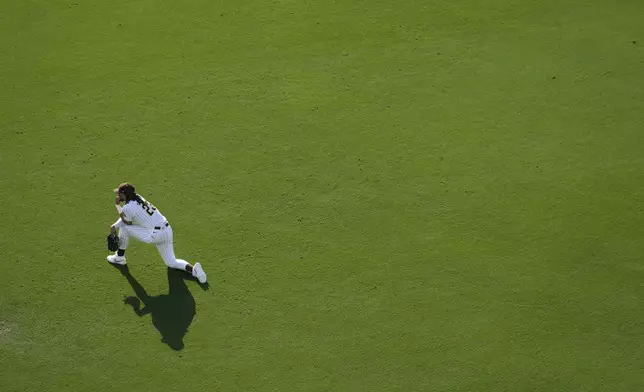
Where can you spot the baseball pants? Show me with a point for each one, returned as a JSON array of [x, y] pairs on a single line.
[[161, 238]]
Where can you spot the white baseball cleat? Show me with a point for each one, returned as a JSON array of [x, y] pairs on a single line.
[[116, 259], [197, 271]]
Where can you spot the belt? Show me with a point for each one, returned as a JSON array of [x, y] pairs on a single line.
[[162, 226]]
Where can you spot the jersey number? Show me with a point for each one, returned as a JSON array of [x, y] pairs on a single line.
[[149, 208]]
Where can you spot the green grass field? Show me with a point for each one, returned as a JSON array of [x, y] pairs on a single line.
[[387, 196]]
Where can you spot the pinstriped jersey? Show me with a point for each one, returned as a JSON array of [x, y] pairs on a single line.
[[145, 215]]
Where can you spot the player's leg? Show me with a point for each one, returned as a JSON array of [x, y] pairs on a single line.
[[163, 241], [119, 256], [166, 250], [125, 232], [142, 234], [165, 247]]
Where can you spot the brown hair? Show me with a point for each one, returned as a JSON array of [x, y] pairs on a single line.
[[129, 191]]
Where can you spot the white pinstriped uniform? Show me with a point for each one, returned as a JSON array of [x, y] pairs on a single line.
[[149, 226]]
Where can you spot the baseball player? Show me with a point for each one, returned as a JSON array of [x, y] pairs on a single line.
[[143, 221]]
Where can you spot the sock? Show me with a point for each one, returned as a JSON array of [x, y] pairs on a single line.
[[121, 252]]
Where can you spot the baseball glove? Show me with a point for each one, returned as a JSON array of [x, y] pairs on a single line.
[[112, 242]]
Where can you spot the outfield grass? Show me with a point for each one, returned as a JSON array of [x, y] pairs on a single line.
[[387, 196]]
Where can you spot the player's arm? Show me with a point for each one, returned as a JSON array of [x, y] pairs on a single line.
[[127, 222], [120, 211]]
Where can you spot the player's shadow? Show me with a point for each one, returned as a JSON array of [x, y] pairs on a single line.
[[171, 313]]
